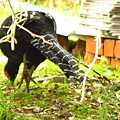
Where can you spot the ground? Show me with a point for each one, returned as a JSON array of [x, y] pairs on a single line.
[[53, 100]]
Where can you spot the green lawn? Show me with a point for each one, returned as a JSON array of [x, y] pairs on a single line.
[[58, 101]]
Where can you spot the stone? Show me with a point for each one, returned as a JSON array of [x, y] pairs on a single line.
[[79, 48], [63, 41], [109, 47], [117, 49], [91, 45]]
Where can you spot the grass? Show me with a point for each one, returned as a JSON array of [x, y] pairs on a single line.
[[57, 101]]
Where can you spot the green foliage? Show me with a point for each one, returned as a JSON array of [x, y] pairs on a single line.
[[2, 106], [70, 7], [4, 12], [106, 70], [5, 113]]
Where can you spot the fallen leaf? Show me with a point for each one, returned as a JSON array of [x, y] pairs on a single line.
[[36, 109], [100, 100], [71, 118], [97, 85], [78, 90]]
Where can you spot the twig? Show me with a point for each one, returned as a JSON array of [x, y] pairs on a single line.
[[98, 40], [34, 35], [12, 27], [3, 2], [16, 20], [11, 35], [11, 7], [7, 38], [26, 8]]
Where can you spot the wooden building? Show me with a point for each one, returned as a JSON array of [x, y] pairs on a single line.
[[87, 29]]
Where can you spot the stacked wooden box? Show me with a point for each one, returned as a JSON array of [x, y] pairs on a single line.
[[110, 29], [90, 11], [115, 20]]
